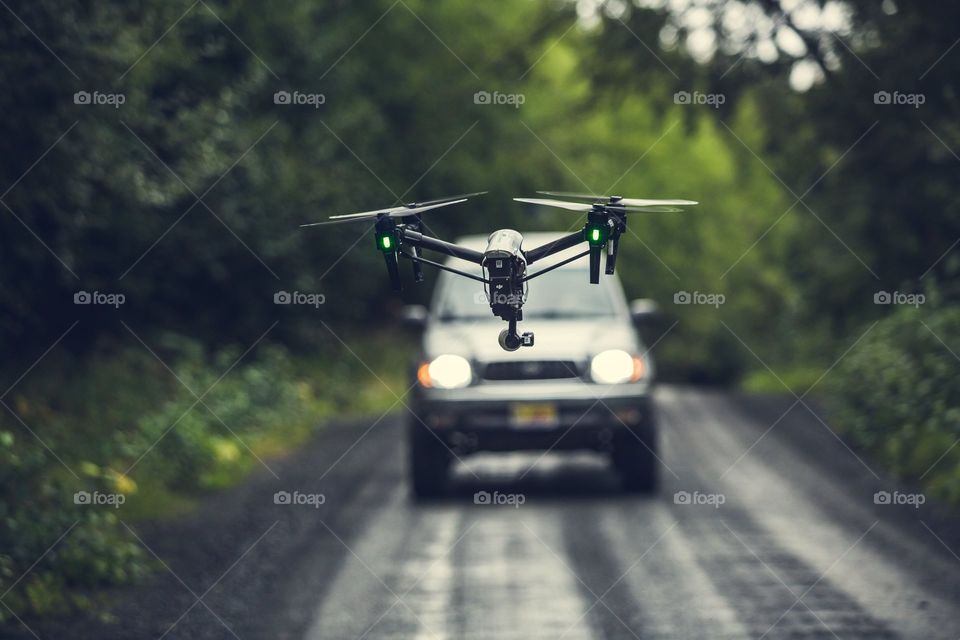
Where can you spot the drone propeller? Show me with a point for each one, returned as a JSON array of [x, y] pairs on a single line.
[[449, 198], [585, 207], [637, 202], [402, 211], [605, 221], [572, 206]]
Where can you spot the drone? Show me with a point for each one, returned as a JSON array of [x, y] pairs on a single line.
[[399, 234]]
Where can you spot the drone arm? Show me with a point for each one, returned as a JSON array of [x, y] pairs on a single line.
[[418, 260], [417, 239], [567, 241], [555, 266]]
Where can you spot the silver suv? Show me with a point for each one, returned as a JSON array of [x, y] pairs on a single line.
[[584, 385]]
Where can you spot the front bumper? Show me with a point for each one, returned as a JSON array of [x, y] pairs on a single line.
[[588, 416]]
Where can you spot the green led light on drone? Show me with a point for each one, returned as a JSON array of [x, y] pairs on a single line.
[[386, 242], [596, 235]]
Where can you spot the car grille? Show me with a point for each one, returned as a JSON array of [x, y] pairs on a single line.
[[531, 370]]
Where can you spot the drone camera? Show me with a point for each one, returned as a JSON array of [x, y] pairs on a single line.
[[506, 266], [511, 340], [506, 286]]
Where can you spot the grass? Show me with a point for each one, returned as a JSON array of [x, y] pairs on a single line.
[[797, 380]]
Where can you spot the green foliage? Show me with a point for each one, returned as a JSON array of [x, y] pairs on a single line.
[[128, 427], [896, 395], [864, 199], [200, 116], [36, 508]]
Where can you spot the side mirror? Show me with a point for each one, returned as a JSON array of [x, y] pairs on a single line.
[[645, 311], [414, 316]]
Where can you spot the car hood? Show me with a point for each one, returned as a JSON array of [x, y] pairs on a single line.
[[554, 339]]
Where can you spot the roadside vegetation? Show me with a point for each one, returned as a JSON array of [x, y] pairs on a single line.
[[124, 438], [897, 395]]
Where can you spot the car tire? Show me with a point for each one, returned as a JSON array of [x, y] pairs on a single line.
[[429, 462], [636, 461]]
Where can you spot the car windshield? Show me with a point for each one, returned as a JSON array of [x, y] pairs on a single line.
[[559, 294]]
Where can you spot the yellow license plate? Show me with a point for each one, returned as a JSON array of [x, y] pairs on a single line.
[[530, 414]]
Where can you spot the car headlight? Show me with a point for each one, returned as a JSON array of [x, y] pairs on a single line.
[[615, 366], [445, 372]]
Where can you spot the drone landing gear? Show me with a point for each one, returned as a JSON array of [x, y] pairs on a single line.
[[393, 269], [595, 265], [510, 340]]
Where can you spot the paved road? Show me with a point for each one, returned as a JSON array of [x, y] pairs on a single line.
[[786, 542]]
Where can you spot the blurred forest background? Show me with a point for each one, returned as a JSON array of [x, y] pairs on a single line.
[[820, 137]]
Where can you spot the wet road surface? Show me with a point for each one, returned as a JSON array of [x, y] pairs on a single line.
[[765, 526]]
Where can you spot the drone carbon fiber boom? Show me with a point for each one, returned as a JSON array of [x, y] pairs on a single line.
[[504, 262]]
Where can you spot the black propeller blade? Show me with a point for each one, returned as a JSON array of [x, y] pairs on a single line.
[[401, 211], [637, 202], [584, 206]]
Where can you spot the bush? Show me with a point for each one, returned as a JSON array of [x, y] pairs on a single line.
[[124, 425], [37, 507], [897, 395]]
